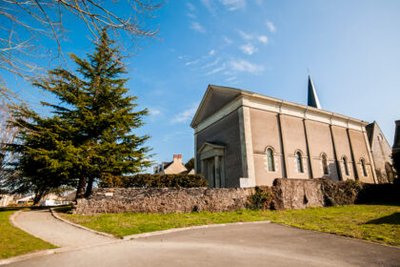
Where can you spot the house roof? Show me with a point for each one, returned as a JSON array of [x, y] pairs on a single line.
[[216, 97]]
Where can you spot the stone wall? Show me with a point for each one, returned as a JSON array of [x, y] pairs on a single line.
[[163, 200], [297, 194], [284, 194]]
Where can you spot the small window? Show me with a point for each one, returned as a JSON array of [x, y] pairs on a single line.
[[271, 160], [346, 167], [324, 161], [363, 167], [299, 162]]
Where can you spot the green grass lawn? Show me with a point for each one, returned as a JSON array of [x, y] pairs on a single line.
[[379, 223], [14, 242]]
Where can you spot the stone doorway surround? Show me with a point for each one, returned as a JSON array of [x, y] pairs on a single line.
[[212, 158]]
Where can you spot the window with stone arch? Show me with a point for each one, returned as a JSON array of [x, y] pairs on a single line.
[[345, 165], [363, 167], [299, 162], [324, 162], [270, 159]]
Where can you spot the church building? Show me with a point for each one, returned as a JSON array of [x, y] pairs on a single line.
[[245, 139]]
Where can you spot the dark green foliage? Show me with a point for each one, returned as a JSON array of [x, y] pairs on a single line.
[[261, 199], [340, 193], [379, 194], [154, 180], [89, 136]]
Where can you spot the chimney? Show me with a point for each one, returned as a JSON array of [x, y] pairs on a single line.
[[178, 158]]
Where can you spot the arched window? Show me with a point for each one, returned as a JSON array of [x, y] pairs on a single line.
[[363, 167], [346, 167], [270, 160], [324, 161], [299, 162]]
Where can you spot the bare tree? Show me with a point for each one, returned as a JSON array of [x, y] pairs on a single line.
[[24, 24], [7, 136]]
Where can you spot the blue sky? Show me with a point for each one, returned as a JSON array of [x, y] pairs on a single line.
[[351, 49]]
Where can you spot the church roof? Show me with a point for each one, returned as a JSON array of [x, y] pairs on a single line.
[[216, 97]]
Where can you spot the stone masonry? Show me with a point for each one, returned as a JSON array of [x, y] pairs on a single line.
[[285, 194], [163, 200]]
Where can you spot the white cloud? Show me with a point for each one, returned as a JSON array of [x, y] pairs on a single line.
[[246, 36], [186, 58], [154, 112], [193, 62], [248, 49], [271, 27], [211, 52], [233, 5], [227, 40], [209, 5], [197, 27], [191, 15], [216, 70], [191, 11], [241, 65], [263, 39], [191, 7], [251, 37], [231, 79], [211, 64], [185, 115]]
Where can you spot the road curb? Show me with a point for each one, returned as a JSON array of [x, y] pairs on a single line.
[[55, 215], [30, 254], [175, 230]]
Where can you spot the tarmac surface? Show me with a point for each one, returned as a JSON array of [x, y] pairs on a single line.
[[248, 244], [42, 224]]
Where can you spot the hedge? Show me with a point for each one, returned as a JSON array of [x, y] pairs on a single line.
[[156, 181]]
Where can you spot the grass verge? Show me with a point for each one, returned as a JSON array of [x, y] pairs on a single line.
[[378, 223], [16, 242]]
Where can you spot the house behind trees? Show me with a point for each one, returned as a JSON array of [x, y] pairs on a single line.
[[175, 166]]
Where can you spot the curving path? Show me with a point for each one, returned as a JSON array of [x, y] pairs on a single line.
[[261, 244], [42, 224]]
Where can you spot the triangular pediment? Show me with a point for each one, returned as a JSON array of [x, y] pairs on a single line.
[[215, 98], [210, 146]]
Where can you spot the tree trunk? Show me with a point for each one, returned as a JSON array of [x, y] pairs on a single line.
[[80, 191], [89, 187], [37, 198]]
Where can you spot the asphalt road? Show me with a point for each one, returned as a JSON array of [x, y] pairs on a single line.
[[264, 244]]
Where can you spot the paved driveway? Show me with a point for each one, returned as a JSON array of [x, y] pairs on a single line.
[[264, 244]]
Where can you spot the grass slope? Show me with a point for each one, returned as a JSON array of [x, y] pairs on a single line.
[[14, 241], [379, 223]]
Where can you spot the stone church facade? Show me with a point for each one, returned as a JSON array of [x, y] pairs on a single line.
[[244, 139]]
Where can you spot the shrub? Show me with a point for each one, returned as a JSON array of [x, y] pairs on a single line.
[[260, 199], [157, 181], [340, 193]]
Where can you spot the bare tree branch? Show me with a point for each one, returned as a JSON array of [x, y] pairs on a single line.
[[25, 23]]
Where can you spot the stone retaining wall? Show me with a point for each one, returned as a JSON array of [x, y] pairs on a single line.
[[163, 200], [284, 194], [297, 194]]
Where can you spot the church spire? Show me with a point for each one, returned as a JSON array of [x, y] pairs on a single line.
[[313, 100]]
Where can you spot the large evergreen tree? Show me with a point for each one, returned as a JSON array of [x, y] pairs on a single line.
[[90, 134]]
